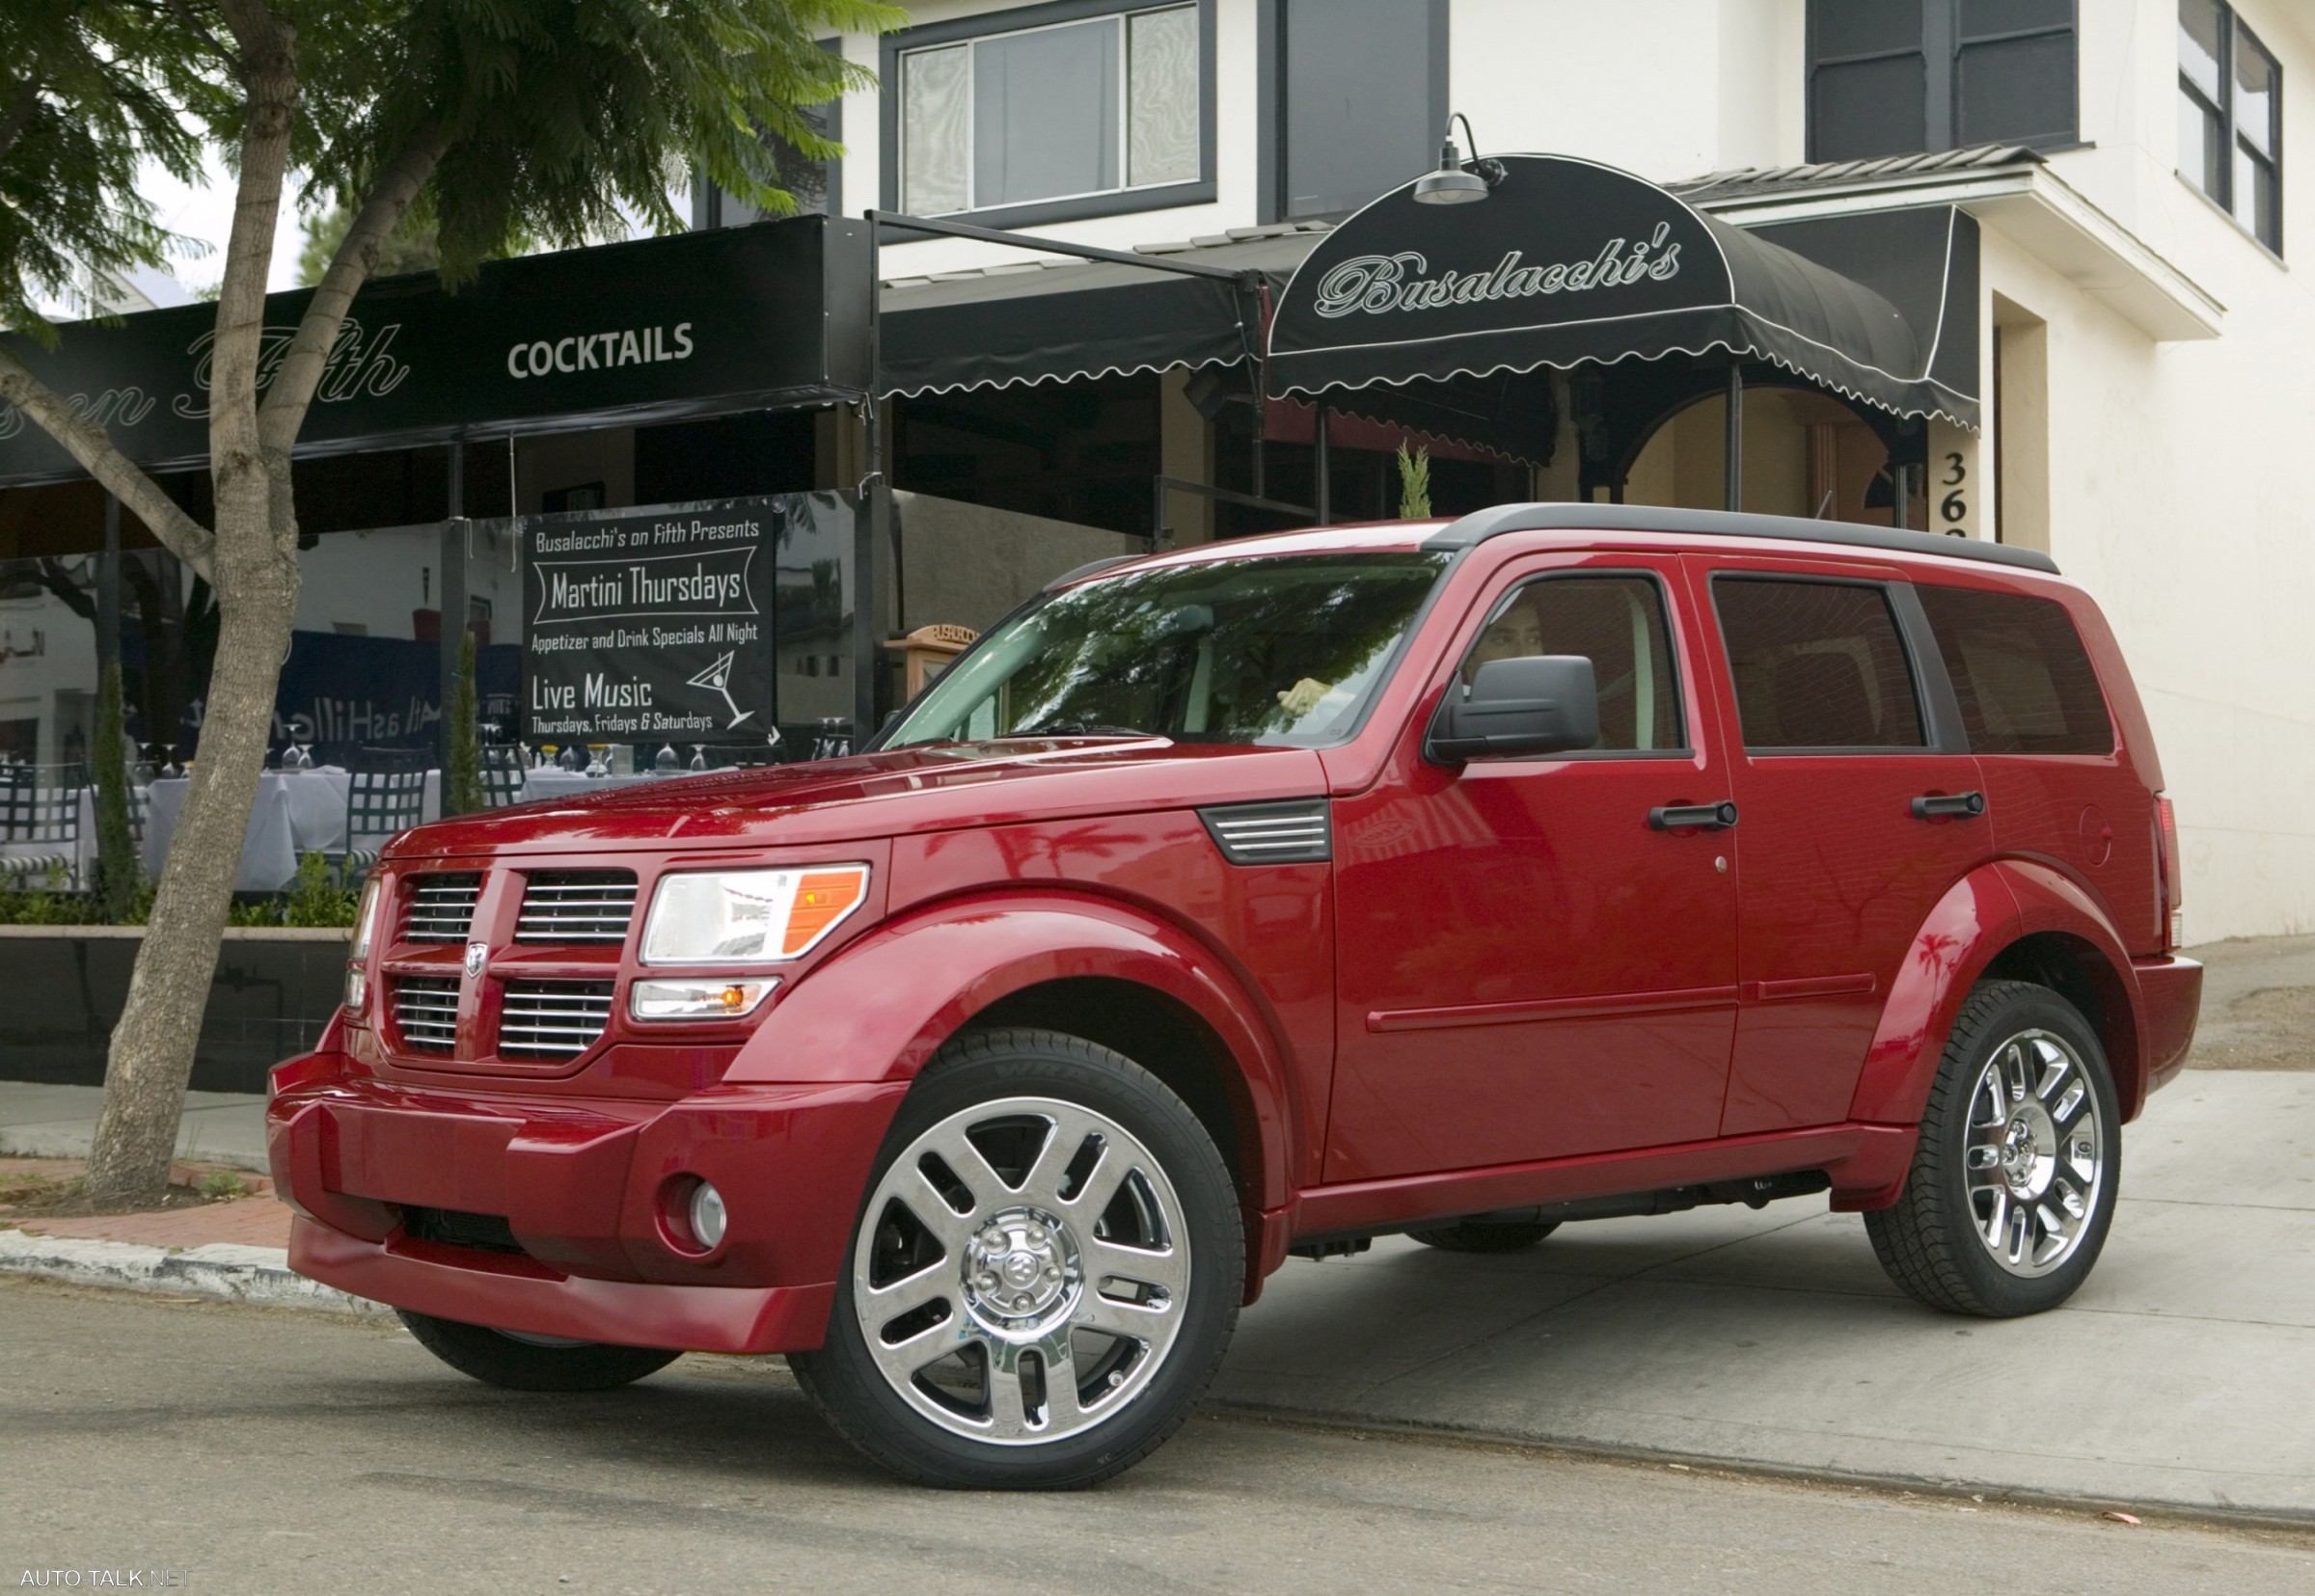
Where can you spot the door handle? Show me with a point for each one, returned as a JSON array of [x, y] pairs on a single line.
[[1936, 805], [1699, 817]]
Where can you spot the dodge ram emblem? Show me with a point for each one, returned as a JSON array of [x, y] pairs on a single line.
[[478, 954]]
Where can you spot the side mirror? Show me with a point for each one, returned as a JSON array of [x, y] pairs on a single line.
[[1544, 704]]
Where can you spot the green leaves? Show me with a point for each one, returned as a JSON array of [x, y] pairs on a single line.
[[87, 92], [564, 118]]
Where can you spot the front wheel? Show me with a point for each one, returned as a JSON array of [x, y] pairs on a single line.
[[2014, 1181], [1044, 1276], [521, 1362]]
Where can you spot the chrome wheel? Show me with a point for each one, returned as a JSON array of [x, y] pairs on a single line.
[[2034, 1165], [1024, 1272]]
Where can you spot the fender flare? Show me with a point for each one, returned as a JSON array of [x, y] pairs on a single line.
[[884, 1005], [1980, 916]]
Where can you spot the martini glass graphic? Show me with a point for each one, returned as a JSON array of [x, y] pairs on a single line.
[[717, 677]]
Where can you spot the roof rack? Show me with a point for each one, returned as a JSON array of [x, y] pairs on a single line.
[[1482, 524]]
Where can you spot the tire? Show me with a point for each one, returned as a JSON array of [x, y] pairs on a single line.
[[988, 1333], [1487, 1235], [541, 1362], [2015, 1178]]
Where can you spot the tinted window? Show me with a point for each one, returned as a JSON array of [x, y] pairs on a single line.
[[1359, 118], [1818, 665], [2024, 683], [1618, 624], [1893, 77]]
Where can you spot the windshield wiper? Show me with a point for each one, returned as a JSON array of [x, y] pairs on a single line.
[[1079, 728]]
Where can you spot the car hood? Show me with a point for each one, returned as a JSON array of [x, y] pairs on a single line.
[[932, 787]]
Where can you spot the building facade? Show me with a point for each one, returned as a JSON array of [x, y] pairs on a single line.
[[2144, 337], [2084, 210]]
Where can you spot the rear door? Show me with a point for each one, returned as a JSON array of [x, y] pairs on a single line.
[[2059, 787], [1841, 720], [1526, 970]]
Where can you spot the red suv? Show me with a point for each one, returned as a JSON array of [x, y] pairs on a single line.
[[1562, 862]]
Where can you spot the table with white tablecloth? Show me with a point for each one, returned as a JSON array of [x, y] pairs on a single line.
[[296, 812]]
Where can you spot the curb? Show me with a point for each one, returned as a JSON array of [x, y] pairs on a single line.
[[38, 1140], [221, 1269]]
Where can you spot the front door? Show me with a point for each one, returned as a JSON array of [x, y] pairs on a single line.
[[1844, 721], [1526, 970]]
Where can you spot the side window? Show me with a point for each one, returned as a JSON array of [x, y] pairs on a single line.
[[2025, 682], [1617, 622], [1818, 665]]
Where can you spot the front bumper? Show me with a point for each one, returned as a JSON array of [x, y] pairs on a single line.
[[582, 1184]]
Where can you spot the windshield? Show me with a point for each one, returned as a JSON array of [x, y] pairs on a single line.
[[1279, 651]]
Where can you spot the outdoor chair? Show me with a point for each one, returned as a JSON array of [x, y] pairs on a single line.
[[389, 759], [379, 806], [502, 775], [40, 804]]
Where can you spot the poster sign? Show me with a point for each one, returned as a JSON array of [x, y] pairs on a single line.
[[651, 626]]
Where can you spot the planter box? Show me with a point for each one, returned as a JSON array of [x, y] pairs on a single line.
[[62, 987]]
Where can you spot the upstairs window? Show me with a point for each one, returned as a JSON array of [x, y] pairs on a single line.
[[1102, 108], [2230, 118], [1360, 96], [1904, 77]]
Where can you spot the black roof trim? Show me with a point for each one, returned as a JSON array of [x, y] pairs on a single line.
[[1482, 524]]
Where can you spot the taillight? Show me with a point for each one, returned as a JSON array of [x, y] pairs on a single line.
[[2173, 883]]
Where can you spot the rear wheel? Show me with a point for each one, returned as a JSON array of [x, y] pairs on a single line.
[[1045, 1274], [1487, 1235], [521, 1361], [2014, 1181]]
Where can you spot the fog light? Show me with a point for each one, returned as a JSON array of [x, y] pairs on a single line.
[[698, 999], [707, 1216]]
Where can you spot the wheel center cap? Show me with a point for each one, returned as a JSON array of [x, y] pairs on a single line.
[[2028, 1148], [1019, 1268]]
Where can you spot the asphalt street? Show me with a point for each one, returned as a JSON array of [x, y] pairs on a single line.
[[262, 1449]]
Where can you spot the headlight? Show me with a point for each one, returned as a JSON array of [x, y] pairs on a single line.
[[749, 916], [357, 958]]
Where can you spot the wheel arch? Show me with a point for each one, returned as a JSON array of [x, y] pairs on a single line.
[[2010, 919], [1092, 967]]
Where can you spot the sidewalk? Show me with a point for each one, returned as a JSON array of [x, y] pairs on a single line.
[[2181, 1375], [41, 1120]]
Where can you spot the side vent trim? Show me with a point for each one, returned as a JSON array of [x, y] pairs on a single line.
[[1297, 832]]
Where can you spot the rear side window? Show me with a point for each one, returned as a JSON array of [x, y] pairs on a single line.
[[2025, 681], [1818, 665]]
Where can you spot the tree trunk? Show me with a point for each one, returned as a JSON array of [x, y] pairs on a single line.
[[254, 563]]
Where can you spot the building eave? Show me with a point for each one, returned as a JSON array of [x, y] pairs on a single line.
[[2033, 208]]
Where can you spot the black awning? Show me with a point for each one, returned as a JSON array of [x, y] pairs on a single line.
[[769, 317], [1568, 263], [1065, 320]]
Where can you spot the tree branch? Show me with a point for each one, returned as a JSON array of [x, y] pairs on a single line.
[[20, 106], [294, 380], [89, 445]]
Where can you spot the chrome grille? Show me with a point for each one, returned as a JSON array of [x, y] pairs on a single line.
[[551, 1020], [442, 907], [1272, 833], [576, 905], [425, 1011]]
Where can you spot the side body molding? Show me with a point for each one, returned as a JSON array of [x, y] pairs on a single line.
[[1982, 914], [880, 1007]]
